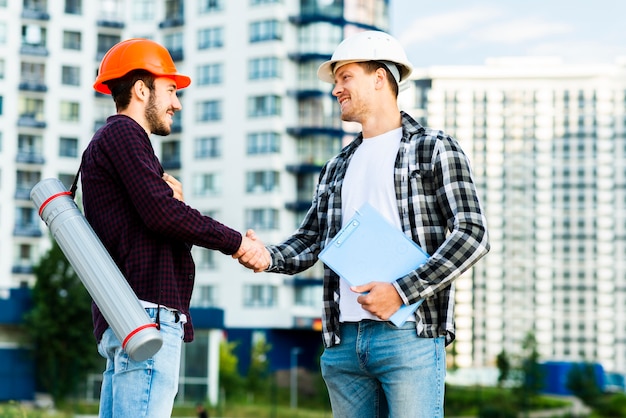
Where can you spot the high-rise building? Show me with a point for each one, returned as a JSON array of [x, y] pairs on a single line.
[[255, 128], [548, 147]]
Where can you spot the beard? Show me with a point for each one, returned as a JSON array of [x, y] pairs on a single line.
[[156, 125]]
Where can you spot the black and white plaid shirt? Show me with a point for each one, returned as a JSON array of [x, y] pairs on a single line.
[[438, 209]]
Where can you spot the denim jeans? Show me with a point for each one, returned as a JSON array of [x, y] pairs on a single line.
[[380, 370], [146, 388]]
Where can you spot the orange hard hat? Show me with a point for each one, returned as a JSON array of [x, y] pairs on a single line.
[[137, 54]]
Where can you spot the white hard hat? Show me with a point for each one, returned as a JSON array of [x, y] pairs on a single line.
[[368, 46]]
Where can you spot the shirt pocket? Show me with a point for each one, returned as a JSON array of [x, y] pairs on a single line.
[[423, 180]]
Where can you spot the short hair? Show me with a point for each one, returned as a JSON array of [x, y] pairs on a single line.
[[372, 66], [121, 87]]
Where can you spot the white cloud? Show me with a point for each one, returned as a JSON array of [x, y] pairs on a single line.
[[520, 30], [423, 29]]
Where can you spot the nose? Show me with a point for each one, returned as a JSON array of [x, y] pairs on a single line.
[[337, 90], [176, 103]]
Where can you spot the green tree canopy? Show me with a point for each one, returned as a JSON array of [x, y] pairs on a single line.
[[59, 326]]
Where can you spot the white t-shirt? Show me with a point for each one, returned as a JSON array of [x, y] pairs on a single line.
[[369, 178]]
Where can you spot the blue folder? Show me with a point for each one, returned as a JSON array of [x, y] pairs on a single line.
[[368, 248]]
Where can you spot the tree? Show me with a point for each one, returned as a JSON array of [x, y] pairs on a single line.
[[581, 380], [230, 379], [504, 367], [532, 377], [59, 327], [258, 372]]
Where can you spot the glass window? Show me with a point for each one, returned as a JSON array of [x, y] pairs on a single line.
[[263, 143], [71, 40], [208, 147], [264, 68], [209, 110], [210, 38], [74, 7], [70, 75], [257, 2], [1, 69], [210, 74], [174, 9], [70, 111], [206, 184], [260, 296], [33, 35], [68, 147], [210, 6], [265, 30], [3, 33], [105, 42], [262, 219], [143, 10], [262, 181], [1, 103], [259, 106]]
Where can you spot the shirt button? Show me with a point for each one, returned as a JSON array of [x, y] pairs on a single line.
[[191, 277]]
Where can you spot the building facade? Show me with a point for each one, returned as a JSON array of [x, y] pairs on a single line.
[[255, 128], [548, 147]]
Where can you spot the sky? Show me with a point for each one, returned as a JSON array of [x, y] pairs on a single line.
[[466, 32]]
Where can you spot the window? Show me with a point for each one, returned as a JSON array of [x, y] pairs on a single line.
[[204, 296], [263, 143], [143, 10], [210, 38], [209, 110], [265, 30], [257, 2], [262, 219], [1, 69], [3, 33], [70, 111], [1, 103], [111, 10], [26, 222], [262, 181], [210, 6], [207, 184], [72, 40], [174, 9], [74, 7], [32, 75], [70, 75], [30, 149], [205, 259], [174, 43], [30, 108], [260, 296], [170, 151], [208, 147], [259, 106], [264, 68], [210, 74], [68, 147], [33, 35], [105, 42]]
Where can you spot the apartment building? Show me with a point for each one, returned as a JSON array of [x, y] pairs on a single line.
[[256, 126], [548, 147]]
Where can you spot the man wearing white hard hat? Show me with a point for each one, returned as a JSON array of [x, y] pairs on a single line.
[[420, 180]]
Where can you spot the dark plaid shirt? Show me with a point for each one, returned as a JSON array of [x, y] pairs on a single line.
[[438, 209], [148, 233]]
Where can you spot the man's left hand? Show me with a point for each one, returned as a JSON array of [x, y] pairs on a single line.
[[379, 298]]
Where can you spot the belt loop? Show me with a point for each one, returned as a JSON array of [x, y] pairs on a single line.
[[176, 317]]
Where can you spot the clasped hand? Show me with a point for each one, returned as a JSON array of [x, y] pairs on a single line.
[[252, 253]]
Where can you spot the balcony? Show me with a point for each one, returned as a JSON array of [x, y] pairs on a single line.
[[35, 14], [30, 120], [110, 23], [172, 22], [30, 157], [171, 163], [33, 85], [315, 130], [27, 230], [36, 50]]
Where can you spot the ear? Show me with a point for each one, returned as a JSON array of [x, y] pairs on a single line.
[[381, 78], [140, 90]]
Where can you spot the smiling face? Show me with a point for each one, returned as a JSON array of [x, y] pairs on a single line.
[[354, 90], [161, 106]]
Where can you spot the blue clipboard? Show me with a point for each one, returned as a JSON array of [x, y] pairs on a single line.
[[368, 248]]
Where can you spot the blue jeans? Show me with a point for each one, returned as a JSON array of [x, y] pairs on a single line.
[[380, 370], [146, 388]]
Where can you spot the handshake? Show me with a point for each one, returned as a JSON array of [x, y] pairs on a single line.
[[252, 253]]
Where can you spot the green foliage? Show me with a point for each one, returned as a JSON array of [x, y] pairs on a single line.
[[258, 372], [230, 379], [581, 381], [59, 327]]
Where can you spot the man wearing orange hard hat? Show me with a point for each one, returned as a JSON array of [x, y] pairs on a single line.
[[138, 212]]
